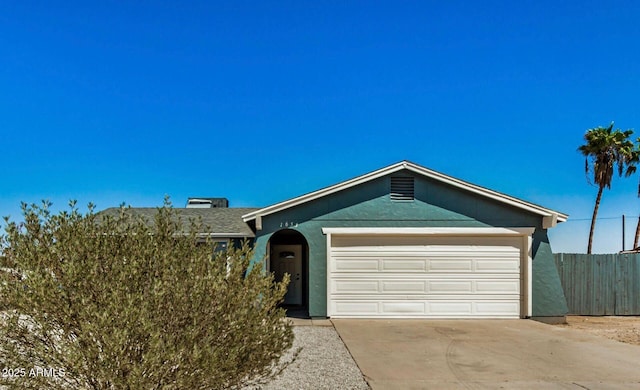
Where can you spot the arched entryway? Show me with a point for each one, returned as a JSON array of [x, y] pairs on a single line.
[[289, 253]]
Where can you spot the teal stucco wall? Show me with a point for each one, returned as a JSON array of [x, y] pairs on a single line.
[[547, 294], [435, 205]]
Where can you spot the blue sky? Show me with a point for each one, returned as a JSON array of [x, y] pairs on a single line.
[[258, 102]]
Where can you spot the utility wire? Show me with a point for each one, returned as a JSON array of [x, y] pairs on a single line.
[[599, 218]]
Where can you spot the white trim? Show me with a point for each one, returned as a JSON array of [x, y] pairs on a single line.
[[420, 231], [224, 235], [529, 274], [202, 239], [327, 277], [552, 216], [550, 221]]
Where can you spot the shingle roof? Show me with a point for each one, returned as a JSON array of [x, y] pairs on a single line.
[[222, 222]]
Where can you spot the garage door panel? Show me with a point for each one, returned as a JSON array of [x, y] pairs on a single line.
[[475, 287], [376, 250], [349, 242], [450, 265], [421, 309], [403, 286], [497, 286], [403, 265], [356, 308], [447, 298], [355, 265], [451, 286], [425, 286], [507, 265], [496, 308], [451, 308], [443, 266], [355, 286], [347, 286], [403, 307]]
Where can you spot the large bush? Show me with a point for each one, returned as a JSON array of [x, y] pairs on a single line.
[[117, 302]]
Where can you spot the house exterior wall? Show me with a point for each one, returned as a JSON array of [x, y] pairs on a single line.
[[435, 205], [548, 295]]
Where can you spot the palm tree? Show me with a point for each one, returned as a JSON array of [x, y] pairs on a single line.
[[604, 150]]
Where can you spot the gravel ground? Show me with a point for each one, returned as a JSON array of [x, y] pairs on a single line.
[[624, 329], [323, 363]]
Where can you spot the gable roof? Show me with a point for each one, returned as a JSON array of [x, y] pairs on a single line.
[[221, 221], [550, 217]]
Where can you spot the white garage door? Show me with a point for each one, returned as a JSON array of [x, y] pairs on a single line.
[[424, 276]]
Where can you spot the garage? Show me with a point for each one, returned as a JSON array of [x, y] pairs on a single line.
[[405, 241], [428, 272]]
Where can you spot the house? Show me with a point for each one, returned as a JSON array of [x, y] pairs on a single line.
[[405, 241]]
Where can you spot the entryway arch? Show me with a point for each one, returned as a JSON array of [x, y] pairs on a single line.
[[289, 253]]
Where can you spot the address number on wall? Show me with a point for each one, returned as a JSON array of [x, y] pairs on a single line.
[[288, 224]]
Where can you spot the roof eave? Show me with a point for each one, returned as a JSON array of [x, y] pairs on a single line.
[[226, 235]]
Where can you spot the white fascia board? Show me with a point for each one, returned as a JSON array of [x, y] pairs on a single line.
[[426, 231], [224, 235], [529, 276], [329, 260]]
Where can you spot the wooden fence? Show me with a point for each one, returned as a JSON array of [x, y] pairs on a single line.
[[600, 284]]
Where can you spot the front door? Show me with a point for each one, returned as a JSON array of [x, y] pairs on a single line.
[[288, 259]]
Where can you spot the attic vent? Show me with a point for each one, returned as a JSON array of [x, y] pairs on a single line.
[[402, 188]]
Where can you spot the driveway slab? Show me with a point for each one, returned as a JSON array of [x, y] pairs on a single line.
[[486, 354]]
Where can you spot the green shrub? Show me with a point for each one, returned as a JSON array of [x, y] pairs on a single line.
[[117, 302]]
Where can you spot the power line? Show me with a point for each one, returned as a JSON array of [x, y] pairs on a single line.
[[599, 218]]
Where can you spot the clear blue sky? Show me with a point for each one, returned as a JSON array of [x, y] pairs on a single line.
[[260, 101]]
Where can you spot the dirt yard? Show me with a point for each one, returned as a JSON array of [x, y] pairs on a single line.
[[624, 329]]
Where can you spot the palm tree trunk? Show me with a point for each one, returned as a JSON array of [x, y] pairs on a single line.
[[635, 241], [593, 219], [637, 238]]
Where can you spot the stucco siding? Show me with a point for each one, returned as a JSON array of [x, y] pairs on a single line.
[[548, 296]]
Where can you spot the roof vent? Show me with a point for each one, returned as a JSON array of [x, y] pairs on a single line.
[[207, 203], [402, 188]]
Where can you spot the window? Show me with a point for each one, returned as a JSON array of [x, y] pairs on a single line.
[[220, 246], [402, 188]]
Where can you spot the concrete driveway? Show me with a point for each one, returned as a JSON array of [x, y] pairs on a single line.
[[486, 354]]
